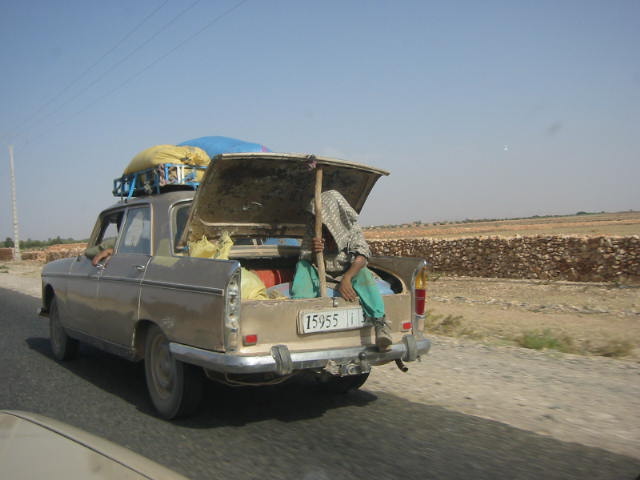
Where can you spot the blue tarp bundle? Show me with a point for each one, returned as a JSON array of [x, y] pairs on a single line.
[[217, 145]]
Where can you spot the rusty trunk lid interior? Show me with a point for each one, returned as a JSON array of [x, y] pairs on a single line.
[[266, 194]]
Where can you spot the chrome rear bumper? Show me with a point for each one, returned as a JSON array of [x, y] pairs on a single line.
[[282, 361]]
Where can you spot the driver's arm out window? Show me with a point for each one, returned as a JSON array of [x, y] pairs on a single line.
[[108, 236]]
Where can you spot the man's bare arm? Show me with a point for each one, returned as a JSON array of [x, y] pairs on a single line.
[[346, 288], [104, 254]]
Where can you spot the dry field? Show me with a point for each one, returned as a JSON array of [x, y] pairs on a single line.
[[584, 318], [612, 224]]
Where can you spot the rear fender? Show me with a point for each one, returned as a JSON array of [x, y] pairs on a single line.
[[185, 297], [402, 267]]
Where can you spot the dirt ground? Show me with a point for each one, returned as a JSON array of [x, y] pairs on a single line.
[[21, 276], [590, 318], [24, 268]]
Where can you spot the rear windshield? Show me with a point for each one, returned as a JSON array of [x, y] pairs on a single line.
[[180, 216]]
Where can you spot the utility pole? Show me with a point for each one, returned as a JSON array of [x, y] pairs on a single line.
[[14, 207]]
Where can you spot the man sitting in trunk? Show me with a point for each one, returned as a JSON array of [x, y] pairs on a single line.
[[345, 254]]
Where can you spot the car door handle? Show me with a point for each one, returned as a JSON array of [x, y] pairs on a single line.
[[140, 268]]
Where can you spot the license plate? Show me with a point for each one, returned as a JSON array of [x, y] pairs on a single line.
[[330, 320]]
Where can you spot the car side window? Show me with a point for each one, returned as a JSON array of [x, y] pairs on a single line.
[[180, 216], [136, 233], [109, 229]]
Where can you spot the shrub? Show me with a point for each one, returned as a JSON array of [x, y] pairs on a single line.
[[613, 348], [450, 326], [545, 340]]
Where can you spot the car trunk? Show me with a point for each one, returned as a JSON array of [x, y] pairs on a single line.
[[277, 320], [261, 198]]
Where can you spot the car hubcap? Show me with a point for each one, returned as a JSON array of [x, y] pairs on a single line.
[[163, 367]]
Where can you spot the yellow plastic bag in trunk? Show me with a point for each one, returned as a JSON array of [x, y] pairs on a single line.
[[204, 248], [250, 284]]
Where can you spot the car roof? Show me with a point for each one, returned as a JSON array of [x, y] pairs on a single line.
[[160, 199]]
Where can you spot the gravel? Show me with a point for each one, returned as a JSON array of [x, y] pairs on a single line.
[[589, 400]]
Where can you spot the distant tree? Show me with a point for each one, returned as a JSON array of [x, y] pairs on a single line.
[[8, 243]]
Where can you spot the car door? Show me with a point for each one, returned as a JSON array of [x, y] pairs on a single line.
[[83, 312], [119, 283]]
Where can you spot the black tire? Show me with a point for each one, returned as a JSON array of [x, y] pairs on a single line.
[[344, 384], [62, 345], [175, 388]]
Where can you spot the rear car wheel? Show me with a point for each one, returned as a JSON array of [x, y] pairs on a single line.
[[344, 384], [175, 388], [63, 346]]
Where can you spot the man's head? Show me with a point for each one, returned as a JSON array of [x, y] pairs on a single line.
[[337, 215]]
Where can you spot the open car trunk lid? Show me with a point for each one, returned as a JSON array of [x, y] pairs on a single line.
[[266, 194]]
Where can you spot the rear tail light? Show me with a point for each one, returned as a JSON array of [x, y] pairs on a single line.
[[406, 326], [232, 312], [420, 291], [249, 340]]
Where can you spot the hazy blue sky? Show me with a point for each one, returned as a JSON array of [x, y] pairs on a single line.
[[478, 109]]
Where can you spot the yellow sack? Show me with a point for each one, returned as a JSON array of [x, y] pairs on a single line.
[[204, 248], [224, 246], [154, 156], [251, 286]]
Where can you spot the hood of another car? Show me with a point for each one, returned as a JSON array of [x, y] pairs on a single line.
[[266, 194], [35, 446]]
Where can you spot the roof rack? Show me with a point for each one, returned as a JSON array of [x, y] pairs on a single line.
[[155, 180]]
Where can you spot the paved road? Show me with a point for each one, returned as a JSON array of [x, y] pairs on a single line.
[[289, 432]]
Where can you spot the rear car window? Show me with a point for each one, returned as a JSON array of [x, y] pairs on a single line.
[[180, 216]]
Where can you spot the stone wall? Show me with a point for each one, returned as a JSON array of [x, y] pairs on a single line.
[[6, 254], [55, 252], [544, 257], [582, 259]]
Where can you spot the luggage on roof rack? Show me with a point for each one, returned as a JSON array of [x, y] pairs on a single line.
[[161, 178], [216, 145]]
